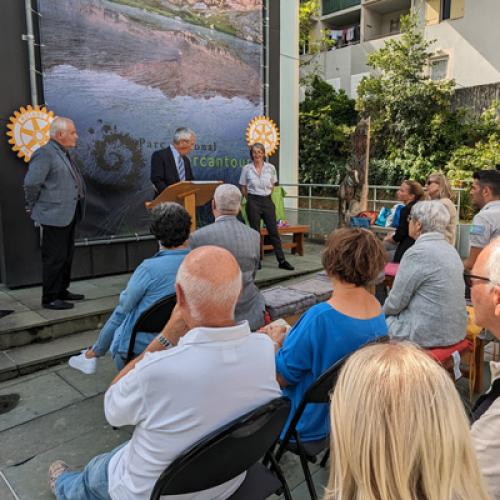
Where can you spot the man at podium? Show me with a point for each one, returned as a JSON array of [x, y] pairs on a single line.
[[172, 165]]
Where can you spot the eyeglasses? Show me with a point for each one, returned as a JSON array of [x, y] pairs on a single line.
[[472, 279], [428, 183], [410, 218]]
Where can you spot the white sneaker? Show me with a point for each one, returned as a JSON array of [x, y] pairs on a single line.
[[82, 363]]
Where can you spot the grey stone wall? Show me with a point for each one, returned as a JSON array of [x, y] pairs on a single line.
[[476, 98]]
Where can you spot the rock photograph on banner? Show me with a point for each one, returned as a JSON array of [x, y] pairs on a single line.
[[129, 72]]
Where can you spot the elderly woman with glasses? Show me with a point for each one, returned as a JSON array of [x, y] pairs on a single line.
[[426, 304]]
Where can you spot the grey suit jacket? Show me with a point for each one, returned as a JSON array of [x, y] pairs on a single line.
[[244, 243], [50, 187], [426, 304]]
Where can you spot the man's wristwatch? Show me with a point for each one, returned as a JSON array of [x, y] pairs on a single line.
[[163, 341]]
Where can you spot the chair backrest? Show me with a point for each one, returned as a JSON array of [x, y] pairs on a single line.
[[226, 452], [152, 320], [319, 391]]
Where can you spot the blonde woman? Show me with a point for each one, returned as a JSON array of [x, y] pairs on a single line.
[[438, 187], [399, 430]]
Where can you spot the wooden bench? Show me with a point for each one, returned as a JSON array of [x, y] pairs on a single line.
[[297, 243]]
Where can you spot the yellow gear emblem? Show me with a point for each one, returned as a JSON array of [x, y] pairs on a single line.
[[264, 130], [29, 130]]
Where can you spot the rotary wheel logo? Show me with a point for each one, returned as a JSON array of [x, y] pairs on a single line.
[[29, 130], [265, 131]]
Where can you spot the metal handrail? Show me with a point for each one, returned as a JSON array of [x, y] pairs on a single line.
[[373, 202]]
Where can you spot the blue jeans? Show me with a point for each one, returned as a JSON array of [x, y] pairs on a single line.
[[89, 484]]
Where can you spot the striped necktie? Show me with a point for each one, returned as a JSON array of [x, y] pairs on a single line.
[[181, 169]]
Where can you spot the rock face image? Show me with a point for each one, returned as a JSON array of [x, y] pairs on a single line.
[[131, 71]]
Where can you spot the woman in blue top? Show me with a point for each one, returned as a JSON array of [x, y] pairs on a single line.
[[329, 331], [153, 280]]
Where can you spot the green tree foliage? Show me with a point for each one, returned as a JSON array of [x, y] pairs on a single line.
[[405, 105], [326, 120], [414, 129], [482, 150]]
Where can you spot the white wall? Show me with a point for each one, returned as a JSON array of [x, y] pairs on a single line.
[[472, 43], [289, 93]]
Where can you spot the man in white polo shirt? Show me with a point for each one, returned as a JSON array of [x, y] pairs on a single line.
[[201, 372]]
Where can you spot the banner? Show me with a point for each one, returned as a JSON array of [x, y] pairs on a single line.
[[129, 72]]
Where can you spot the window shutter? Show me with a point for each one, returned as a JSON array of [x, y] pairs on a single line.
[[432, 11], [457, 9]]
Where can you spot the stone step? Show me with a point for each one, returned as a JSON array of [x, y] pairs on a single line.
[[25, 328], [31, 358]]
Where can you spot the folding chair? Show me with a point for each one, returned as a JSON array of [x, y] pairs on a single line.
[[318, 392], [229, 451], [152, 320]]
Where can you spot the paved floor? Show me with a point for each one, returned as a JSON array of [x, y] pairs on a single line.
[[60, 413], [60, 416]]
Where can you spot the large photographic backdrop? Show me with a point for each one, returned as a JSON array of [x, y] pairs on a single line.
[[129, 72]]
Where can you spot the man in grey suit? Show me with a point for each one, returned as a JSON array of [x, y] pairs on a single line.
[[243, 242], [55, 198]]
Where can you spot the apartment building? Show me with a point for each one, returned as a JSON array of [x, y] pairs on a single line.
[[467, 35]]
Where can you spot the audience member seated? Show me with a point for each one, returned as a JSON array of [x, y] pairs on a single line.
[[485, 294], [397, 243], [243, 242], [216, 371], [438, 187], [152, 280], [330, 330], [399, 430], [426, 304]]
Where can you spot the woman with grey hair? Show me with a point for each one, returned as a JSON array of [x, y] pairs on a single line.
[[153, 280], [426, 304]]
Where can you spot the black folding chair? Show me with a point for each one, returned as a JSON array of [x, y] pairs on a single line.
[[318, 392], [227, 452], [152, 320]]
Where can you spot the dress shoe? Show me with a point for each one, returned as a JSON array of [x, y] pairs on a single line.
[[286, 265], [8, 402], [58, 305], [72, 296]]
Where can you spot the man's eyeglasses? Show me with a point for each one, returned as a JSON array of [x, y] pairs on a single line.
[[472, 279]]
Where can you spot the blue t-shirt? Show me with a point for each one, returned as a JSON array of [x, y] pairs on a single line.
[[321, 337]]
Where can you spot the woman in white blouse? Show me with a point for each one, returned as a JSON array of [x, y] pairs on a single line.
[[257, 181]]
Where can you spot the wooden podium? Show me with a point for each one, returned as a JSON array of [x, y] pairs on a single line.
[[189, 194]]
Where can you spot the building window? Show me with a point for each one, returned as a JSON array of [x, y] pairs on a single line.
[[439, 68], [395, 25]]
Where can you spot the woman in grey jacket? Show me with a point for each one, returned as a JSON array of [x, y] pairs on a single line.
[[426, 304]]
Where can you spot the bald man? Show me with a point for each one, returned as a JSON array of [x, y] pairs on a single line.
[[55, 198], [201, 372], [485, 294]]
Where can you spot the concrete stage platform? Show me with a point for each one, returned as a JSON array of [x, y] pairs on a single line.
[[32, 337]]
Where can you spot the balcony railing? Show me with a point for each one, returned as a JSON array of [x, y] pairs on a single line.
[[330, 6]]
